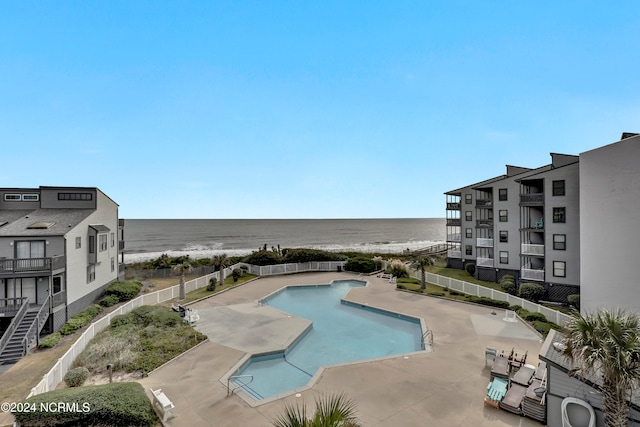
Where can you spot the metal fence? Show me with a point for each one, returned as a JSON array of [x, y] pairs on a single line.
[[52, 378]]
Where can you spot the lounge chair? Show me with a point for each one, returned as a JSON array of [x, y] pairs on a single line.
[[500, 368], [512, 401], [518, 359], [524, 375], [489, 354], [496, 390]]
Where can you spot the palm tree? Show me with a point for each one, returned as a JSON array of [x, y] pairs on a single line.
[[607, 344], [220, 261], [335, 410], [182, 268], [420, 264]]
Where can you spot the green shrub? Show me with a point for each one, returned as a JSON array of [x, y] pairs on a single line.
[[545, 327], [471, 269], [154, 315], [109, 300], [516, 308], [50, 340], [306, 255], [81, 319], [263, 257], [361, 264], [397, 268], [535, 317], [236, 274], [76, 376], [212, 284], [531, 291], [574, 301], [455, 293], [508, 284], [125, 290], [117, 404], [489, 302], [436, 294]]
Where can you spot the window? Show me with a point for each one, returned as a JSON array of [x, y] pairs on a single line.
[[504, 236], [113, 239], [113, 264], [91, 273], [560, 242], [558, 215], [502, 194], [468, 249], [103, 242], [504, 215], [468, 233], [30, 249], [468, 199], [558, 188], [75, 196], [504, 257], [559, 269], [57, 284], [468, 216], [78, 242], [30, 197], [12, 197], [92, 244]]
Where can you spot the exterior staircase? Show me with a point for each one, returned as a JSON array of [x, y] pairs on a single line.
[[14, 349]]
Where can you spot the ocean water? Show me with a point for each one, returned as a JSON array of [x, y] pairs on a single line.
[[201, 238]]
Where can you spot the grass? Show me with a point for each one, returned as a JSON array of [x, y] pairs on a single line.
[[203, 292], [454, 273]]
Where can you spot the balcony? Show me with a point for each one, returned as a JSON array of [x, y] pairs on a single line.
[[10, 306], [484, 203], [451, 253], [484, 242], [59, 298], [453, 206], [27, 266], [454, 237], [531, 274], [529, 249], [121, 245], [484, 223], [536, 199], [484, 262], [454, 221]]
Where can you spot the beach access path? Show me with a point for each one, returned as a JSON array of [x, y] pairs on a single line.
[[444, 387]]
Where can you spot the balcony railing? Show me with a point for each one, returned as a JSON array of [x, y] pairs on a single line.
[[454, 221], [453, 206], [530, 249], [484, 242], [10, 306], [484, 223], [532, 199], [530, 274], [454, 254], [454, 237], [484, 203], [484, 262], [59, 298], [31, 265], [121, 245]]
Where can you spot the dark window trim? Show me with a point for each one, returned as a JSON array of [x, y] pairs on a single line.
[[558, 190], [503, 194]]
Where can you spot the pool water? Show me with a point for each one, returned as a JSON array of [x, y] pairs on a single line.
[[341, 333]]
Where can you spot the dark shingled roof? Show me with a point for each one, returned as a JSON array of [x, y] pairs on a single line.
[[63, 219]]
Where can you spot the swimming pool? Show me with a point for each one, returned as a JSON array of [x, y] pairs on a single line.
[[341, 332]]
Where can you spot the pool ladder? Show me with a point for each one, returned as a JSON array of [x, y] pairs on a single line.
[[427, 338], [233, 377]]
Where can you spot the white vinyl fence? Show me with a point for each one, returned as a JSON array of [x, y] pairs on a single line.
[[472, 289], [52, 378]]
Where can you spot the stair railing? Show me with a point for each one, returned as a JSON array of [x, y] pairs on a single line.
[[14, 324], [33, 334]]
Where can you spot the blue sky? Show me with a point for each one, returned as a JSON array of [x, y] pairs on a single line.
[[306, 109]]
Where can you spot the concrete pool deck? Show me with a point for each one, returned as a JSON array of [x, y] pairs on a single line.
[[444, 387]]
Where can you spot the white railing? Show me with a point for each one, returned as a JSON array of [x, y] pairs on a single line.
[[530, 274], [451, 253], [484, 242], [530, 249], [480, 291], [52, 378], [454, 237], [484, 262]]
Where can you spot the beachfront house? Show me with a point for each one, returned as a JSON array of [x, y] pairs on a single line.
[[524, 223], [59, 249]]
